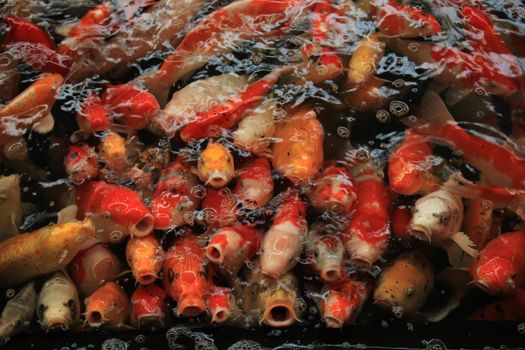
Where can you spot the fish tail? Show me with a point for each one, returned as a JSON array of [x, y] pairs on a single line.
[[434, 110]]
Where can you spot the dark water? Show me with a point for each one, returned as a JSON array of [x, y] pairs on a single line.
[[380, 129]]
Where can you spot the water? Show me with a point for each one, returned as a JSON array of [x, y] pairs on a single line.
[[361, 123]]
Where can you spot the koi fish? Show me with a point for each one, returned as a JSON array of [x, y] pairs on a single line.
[[342, 301], [274, 302], [185, 276], [115, 209], [108, 306], [365, 58], [255, 130], [231, 247], [42, 251], [210, 123], [370, 95], [254, 186], [148, 307], [366, 237], [478, 222], [93, 115], [58, 303], [81, 163], [10, 206], [410, 165], [148, 167], [215, 166], [507, 309], [93, 267], [233, 23], [298, 150], [133, 106], [334, 190], [112, 151], [30, 43], [9, 77], [282, 243], [219, 208], [403, 287], [145, 256], [221, 304], [404, 21], [113, 56], [18, 312], [31, 108], [325, 254], [452, 67], [174, 197], [196, 97], [500, 268], [437, 219]]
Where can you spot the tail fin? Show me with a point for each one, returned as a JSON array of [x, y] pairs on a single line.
[[434, 110]]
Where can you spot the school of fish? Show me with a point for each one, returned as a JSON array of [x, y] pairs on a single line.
[[225, 195]]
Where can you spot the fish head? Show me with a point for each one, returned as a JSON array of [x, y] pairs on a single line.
[[334, 191], [81, 162], [58, 316], [280, 307], [280, 249], [337, 309], [224, 246], [497, 84], [220, 207], [148, 306], [327, 257], [144, 255], [253, 193], [495, 276], [220, 302], [363, 252], [215, 166], [93, 116], [171, 209]]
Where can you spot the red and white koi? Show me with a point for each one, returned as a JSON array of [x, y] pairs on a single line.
[[334, 190], [220, 207], [93, 115], [148, 307], [221, 304], [366, 237], [283, 242], [254, 186], [325, 254], [81, 163]]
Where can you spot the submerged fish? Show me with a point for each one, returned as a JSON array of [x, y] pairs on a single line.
[[18, 312], [108, 306], [10, 206]]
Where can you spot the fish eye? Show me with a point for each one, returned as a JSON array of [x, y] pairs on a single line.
[[41, 309], [316, 254], [73, 155], [170, 275], [177, 276], [409, 292]]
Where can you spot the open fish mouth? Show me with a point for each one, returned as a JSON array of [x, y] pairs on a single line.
[[280, 314]]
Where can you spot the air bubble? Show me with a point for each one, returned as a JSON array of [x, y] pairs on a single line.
[[414, 47], [189, 217], [246, 345], [116, 236], [410, 327], [399, 83], [398, 311], [382, 116], [198, 191], [375, 271], [435, 344], [412, 118], [140, 339], [480, 114], [398, 108], [10, 293], [114, 344], [486, 204], [384, 324], [521, 328], [343, 132], [480, 91]]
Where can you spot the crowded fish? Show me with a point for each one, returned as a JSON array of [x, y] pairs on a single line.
[[259, 162]]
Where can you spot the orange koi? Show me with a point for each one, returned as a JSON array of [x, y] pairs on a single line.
[[500, 267], [366, 237], [282, 244], [410, 165], [401, 216], [215, 166], [108, 306], [148, 307], [174, 198], [298, 151], [115, 209], [145, 256], [112, 151], [231, 247], [81, 163], [342, 301], [93, 267], [334, 190], [43, 251], [93, 116], [185, 276], [254, 186]]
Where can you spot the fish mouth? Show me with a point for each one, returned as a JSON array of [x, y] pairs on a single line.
[[331, 273], [215, 253], [420, 233], [280, 314], [146, 277], [217, 179], [191, 307], [143, 227], [220, 315], [151, 321], [333, 322], [95, 318], [57, 326], [483, 285], [385, 304]]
